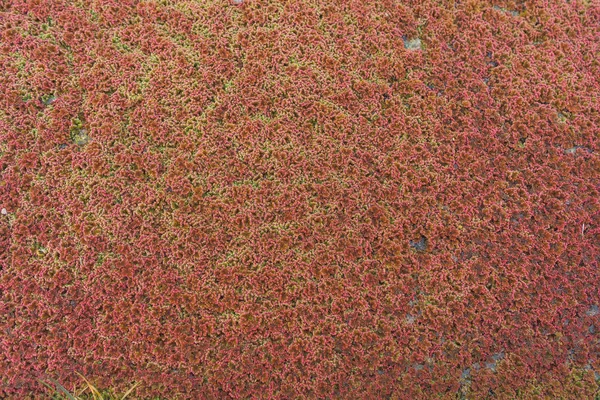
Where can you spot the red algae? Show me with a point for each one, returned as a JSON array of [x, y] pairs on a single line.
[[300, 199]]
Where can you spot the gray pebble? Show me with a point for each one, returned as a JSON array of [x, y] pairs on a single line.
[[466, 374], [49, 100], [412, 44], [491, 365], [419, 245]]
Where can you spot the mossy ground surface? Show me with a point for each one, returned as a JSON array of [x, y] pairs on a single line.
[[300, 199]]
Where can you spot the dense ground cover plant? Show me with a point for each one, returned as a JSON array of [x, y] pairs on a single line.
[[300, 199]]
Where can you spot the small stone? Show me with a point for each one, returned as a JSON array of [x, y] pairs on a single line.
[[81, 137], [4, 212], [51, 99], [514, 13], [495, 357], [491, 365], [562, 118], [419, 245], [412, 44], [466, 374], [237, 2], [572, 150], [594, 310]]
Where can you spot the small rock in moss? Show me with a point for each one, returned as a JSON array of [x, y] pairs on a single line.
[[562, 118], [80, 137], [574, 149], [419, 245], [47, 100], [412, 44]]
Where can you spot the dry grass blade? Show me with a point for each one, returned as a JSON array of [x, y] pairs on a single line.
[[97, 395], [129, 391], [60, 390], [78, 392]]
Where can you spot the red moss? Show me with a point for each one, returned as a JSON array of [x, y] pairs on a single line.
[[282, 201]]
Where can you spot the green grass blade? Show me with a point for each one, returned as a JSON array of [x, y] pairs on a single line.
[[62, 389]]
